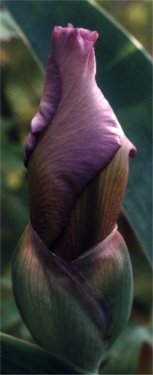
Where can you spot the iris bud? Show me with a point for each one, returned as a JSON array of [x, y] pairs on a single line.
[[72, 274]]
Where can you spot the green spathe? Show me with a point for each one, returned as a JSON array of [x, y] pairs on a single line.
[[57, 317]]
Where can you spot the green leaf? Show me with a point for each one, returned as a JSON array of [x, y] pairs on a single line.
[[124, 72], [124, 356], [8, 26], [21, 357]]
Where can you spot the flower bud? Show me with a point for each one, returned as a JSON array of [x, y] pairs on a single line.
[[72, 274]]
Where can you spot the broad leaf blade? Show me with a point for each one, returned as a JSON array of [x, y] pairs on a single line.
[[21, 357], [124, 73]]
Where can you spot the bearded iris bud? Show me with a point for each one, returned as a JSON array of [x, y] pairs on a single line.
[[72, 274]]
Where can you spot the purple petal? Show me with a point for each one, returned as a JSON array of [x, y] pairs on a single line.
[[47, 108], [82, 136]]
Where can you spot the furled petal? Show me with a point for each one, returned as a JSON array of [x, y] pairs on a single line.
[[47, 107], [78, 133]]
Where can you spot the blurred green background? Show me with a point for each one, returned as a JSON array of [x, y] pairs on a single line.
[[21, 87], [135, 16]]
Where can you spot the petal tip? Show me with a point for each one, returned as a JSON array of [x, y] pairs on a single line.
[[69, 25], [133, 152], [132, 149]]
